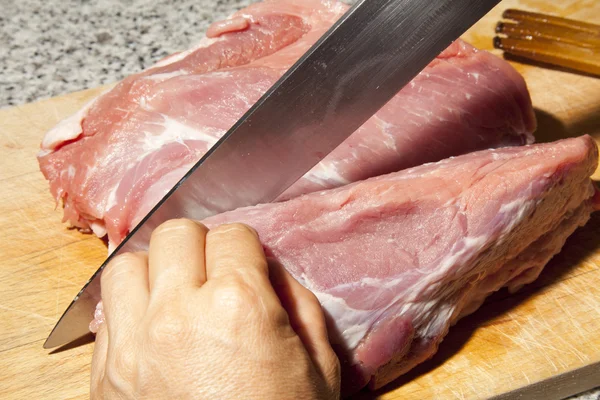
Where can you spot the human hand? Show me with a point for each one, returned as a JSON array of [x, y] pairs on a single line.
[[203, 315]]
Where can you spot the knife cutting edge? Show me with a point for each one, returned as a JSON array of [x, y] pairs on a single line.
[[358, 65]]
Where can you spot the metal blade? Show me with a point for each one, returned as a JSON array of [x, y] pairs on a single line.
[[375, 49]]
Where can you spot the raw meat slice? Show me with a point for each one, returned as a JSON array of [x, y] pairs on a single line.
[[396, 259], [114, 159]]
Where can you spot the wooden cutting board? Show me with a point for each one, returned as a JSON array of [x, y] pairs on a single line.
[[542, 343]]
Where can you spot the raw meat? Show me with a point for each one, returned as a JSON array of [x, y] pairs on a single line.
[[114, 159], [396, 259]]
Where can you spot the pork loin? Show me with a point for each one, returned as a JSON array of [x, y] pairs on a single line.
[[112, 161], [395, 260]]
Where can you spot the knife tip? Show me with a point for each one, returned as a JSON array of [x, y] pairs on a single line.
[[50, 343]]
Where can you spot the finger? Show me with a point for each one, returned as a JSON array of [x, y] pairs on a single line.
[[124, 285], [177, 255], [99, 362], [308, 321], [234, 249]]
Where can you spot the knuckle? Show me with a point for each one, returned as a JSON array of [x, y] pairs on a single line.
[[244, 307], [177, 225], [117, 264], [235, 297], [243, 228], [235, 227], [167, 328], [125, 258], [252, 268], [122, 260]]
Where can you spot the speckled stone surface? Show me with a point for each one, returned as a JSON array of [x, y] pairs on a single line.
[[52, 47], [590, 395]]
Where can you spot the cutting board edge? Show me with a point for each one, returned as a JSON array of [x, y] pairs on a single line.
[[558, 387]]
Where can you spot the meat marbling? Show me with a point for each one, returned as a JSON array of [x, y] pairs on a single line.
[[113, 160], [396, 259]]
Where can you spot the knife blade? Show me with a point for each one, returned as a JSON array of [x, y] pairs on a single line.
[[358, 65]]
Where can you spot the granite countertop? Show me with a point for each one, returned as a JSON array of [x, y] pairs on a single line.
[[54, 47], [60, 46]]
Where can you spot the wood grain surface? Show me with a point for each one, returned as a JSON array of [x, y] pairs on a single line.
[[542, 343]]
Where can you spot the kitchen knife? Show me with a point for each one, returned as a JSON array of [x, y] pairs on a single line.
[[375, 49]]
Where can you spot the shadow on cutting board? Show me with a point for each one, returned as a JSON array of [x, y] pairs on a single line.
[[539, 64], [582, 243], [85, 339], [551, 128]]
